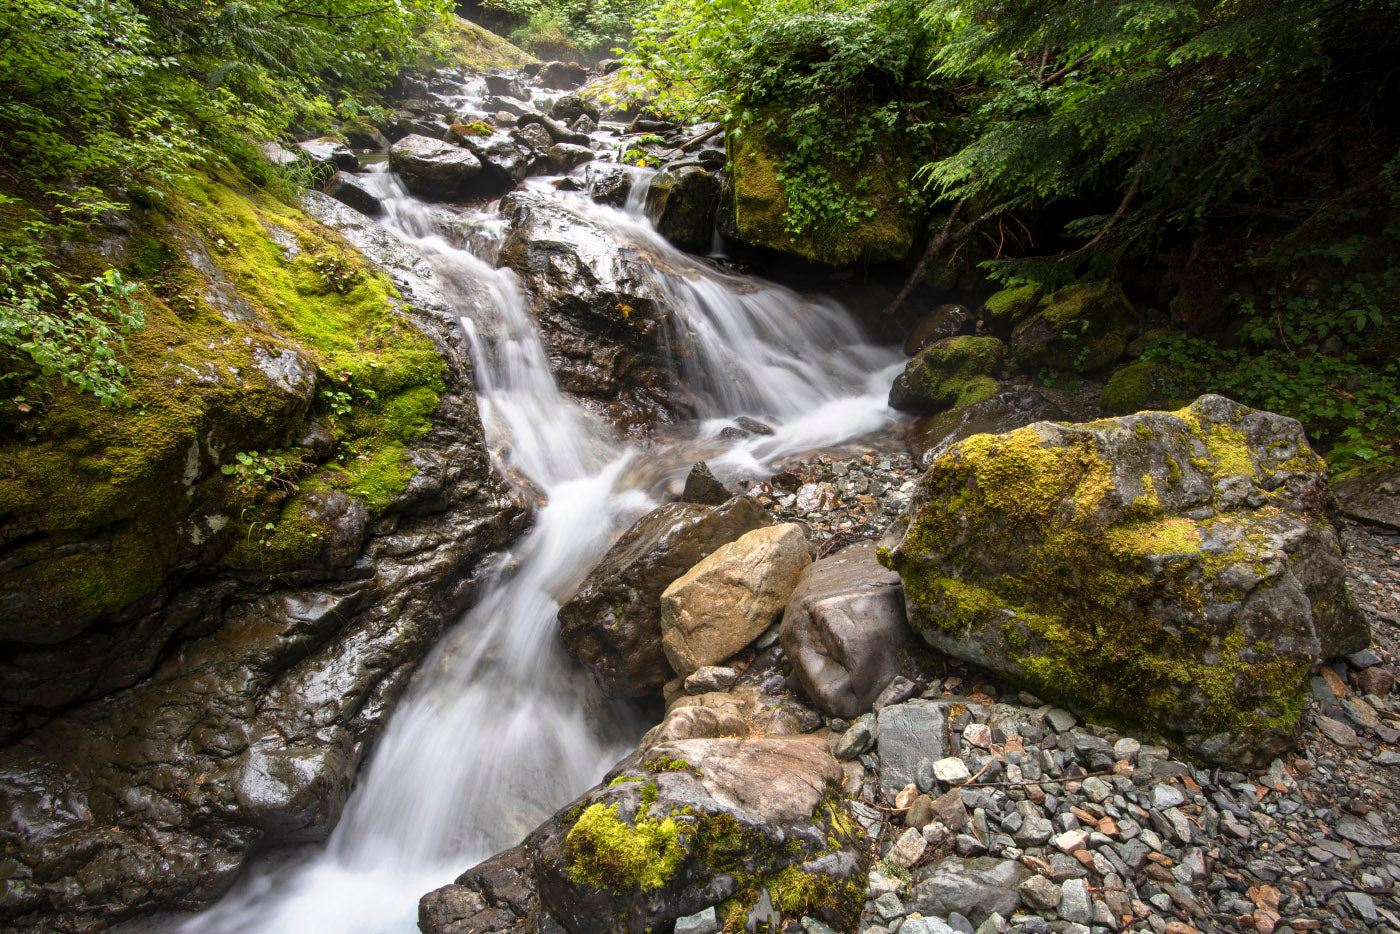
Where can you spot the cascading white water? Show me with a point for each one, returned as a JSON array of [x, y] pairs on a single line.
[[499, 729]]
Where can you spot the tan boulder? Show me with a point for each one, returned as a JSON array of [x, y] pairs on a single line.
[[727, 600]]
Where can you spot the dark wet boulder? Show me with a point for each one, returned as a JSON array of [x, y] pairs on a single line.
[[953, 371], [1006, 411], [613, 623], [492, 896], [562, 76], [703, 487], [599, 308], [682, 205], [844, 631], [504, 84], [571, 106], [609, 184], [433, 168], [533, 136], [1370, 494], [1082, 328], [504, 162], [350, 191], [557, 131], [700, 823], [1176, 569], [943, 321]]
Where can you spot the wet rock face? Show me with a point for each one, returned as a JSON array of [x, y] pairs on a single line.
[[1175, 568], [952, 371], [1370, 494], [232, 709], [613, 623], [601, 314], [845, 632], [682, 205]]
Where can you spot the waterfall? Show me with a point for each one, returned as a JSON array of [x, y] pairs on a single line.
[[499, 729]]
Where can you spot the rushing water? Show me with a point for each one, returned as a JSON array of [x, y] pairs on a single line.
[[499, 728]]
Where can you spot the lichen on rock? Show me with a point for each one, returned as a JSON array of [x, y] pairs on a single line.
[[1173, 569]]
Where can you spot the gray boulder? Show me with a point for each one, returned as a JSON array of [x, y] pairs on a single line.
[[565, 157], [1175, 568], [844, 630], [909, 734], [613, 623], [571, 106], [330, 152], [432, 168]]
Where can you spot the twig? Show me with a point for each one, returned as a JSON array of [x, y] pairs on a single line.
[[714, 131], [1038, 781]]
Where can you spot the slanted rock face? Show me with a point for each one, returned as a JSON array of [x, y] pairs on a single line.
[[432, 168], [700, 823], [1006, 411], [601, 314], [1370, 494], [682, 205], [613, 623], [1170, 568], [844, 630], [953, 371], [728, 599]]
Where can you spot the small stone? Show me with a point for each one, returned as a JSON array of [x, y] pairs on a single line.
[[979, 735], [1366, 658], [969, 846], [950, 810], [710, 678], [1075, 904], [1360, 832], [1070, 841], [906, 797], [1363, 905], [1096, 789], [1040, 894], [858, 739], [920, 813], [1337, 731], [888, 906], [1034, 831], [1060, 720], [907, 849], [813, 926], [959, 923], [704, 922], [1377, 681], [896, 692], [951, 771], [1166, 796], [1126, 749]]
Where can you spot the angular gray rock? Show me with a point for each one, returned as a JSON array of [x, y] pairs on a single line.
[[1006, 411], [1174, 567], [844, 631], [909, 733], [348, 190], [1370, 494], [972, 887]]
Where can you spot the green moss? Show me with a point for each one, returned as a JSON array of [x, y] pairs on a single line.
[[668, 764], [952, 371], [462, 45], [76, 472], [1080, 618], [1131, 388], [603, 851], [758, 205], [1009, 305], [799, 893], [1081, 328]]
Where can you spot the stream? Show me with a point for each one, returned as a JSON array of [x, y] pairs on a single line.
[[499, 728]]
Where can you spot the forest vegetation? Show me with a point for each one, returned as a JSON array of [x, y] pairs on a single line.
[[1234, 166]]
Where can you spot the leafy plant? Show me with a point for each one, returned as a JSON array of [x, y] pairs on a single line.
[[257, 473]]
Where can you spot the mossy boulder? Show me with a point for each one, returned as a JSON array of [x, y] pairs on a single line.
[[952, 371], [706, 822], [756, 207], [1082, 328], [1006, 411], [1132, 388], [1174, 570]]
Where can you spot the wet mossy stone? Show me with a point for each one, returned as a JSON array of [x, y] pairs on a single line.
[[953, 371], [755, 210], [701, 822], [682, 204], [1132, 388], [1172, 569], [1082, 328]]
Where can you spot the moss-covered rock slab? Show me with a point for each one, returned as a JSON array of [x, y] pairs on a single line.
[[1082, 328], [756, 209], [953, 371], [1173, 570]]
